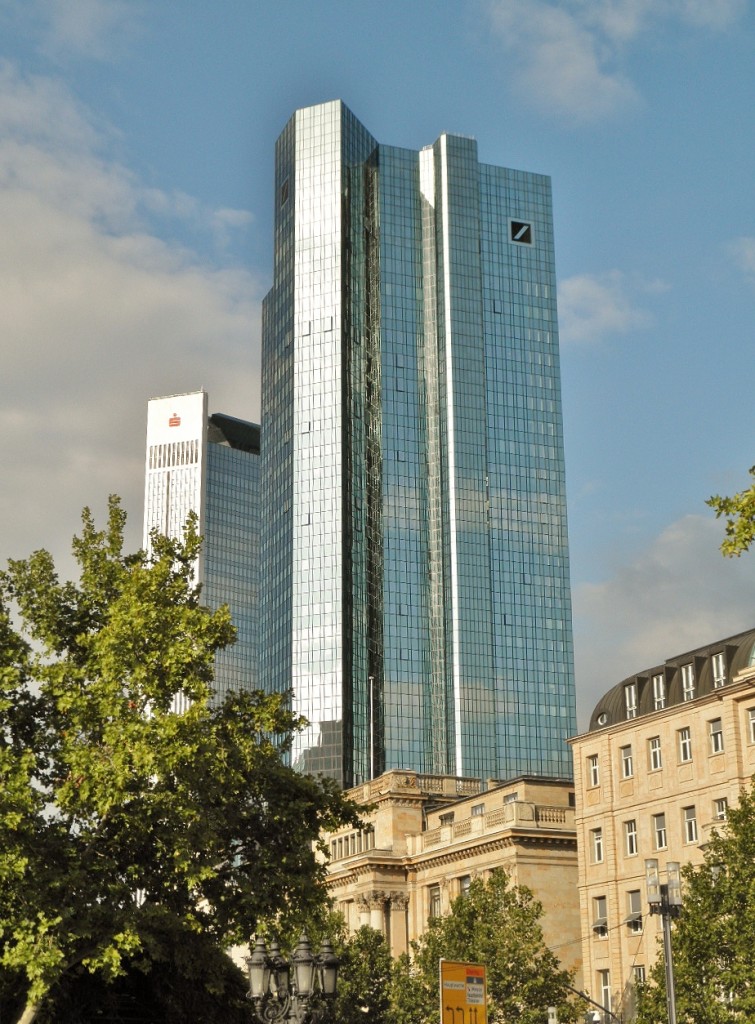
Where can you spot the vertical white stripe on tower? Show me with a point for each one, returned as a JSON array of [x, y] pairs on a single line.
[[451, 454]]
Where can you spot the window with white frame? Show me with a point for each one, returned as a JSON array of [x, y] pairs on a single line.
[[630, 700], [638, 973], [659, 692], [720, 808], [689, 820], [433, 897], [604, 988], [659, 831], [654, 753], [597, 845], [718, 670], [477, 810], [593, 770], [464, 883], [685, 744], [630, 837], [600, 917], [751, 714], [634, 911], [627, 762], [716, 734], [688, 682]]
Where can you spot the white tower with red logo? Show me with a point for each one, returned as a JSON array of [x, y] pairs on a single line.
[[209, 465]]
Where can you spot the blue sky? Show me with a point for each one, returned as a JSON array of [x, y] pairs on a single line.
[[136, 155]]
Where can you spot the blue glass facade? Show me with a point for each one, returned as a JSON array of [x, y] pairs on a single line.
[[415, 550], [231, 559]]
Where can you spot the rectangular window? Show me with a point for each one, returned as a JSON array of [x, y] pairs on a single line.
[[634, 911], [689, 817], [718, 670], [659, 692], [433, 894], [638, 972], [630, 837], [654, 752], [630, 700], [685, 744], [716, 733], [599, 917], [593, 770], [751, 714], [627, 763], [604, 988], [720, 809], [688, 682], [477, 810], [659, 831], [464, 883], [597, 845]]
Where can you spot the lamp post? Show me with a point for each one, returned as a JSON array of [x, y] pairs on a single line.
[[298, 991], [665, 899]]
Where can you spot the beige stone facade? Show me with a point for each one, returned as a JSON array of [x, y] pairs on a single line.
[[667, 754], [428, 836]]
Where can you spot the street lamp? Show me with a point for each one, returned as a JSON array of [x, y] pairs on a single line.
[[665, 899], [296, 991]]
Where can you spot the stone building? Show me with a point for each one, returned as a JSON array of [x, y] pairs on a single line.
[[428, 836], [667, 753]]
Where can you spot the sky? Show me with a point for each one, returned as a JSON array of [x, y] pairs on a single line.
[[136, 162]]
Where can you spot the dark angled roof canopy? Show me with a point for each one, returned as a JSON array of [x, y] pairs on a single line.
[[235, 433]]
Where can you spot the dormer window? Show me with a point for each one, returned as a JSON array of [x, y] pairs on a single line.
[[659, 692], [688, 682], [630, 700], [718, 670]]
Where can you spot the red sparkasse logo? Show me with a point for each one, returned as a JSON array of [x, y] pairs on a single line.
[[174, 421]]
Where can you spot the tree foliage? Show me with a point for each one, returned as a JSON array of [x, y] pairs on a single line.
[[497, 924], [364, 984], [713, 940], [739, 511], [123, 823]]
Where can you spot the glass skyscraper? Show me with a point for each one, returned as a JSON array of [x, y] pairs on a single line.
[[414, 548], [209, 464]]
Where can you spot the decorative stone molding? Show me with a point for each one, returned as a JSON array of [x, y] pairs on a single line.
[[377, 899]]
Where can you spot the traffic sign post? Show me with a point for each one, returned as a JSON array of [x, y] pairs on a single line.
[[463, 993]]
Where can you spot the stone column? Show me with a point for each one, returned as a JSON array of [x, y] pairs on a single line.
[[364, 910], [399, 931], [377, 911]]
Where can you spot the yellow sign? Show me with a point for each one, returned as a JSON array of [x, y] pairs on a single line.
[[463, 993]]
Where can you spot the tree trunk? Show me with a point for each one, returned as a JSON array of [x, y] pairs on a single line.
[[30, 1013]]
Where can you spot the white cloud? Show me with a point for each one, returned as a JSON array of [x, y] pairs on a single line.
[[89, 28], [743, 253], [715, 14], [563, 64], [568, 56], [594, 306], [678, 594], [97, 314]]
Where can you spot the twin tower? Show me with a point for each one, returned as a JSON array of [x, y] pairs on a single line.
[[411, 585]]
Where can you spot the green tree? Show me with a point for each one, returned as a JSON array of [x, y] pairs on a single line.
[[497, 924], [364, 979], [739, 511], [123, 825], [713, 940]]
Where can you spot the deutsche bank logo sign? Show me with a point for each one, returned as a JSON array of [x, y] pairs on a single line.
[[520, 231]]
